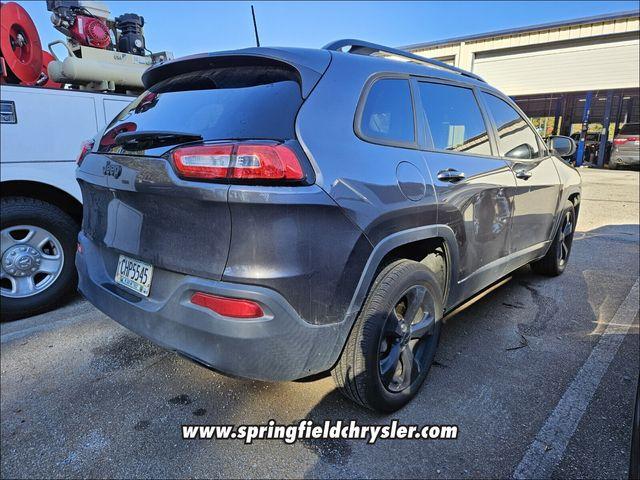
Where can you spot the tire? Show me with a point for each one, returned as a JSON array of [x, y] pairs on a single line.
[[365, 372], [557, 257], [56, 233]]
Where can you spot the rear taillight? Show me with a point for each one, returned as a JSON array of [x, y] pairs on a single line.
[[241, 161], [85, 148], [228, 307], [622, 141]]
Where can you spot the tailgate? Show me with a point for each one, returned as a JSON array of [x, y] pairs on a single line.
[[139, 207]]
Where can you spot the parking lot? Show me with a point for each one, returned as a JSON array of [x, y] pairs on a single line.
[[540, 377]]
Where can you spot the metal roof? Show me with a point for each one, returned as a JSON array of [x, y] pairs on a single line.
[[529, 28]]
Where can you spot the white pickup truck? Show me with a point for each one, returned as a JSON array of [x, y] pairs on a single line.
[[41, 133]]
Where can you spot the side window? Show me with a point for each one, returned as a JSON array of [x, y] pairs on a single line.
[[454, 118], [516, 139], [387, 115]]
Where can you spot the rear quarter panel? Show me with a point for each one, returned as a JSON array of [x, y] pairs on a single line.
[[362, 177]]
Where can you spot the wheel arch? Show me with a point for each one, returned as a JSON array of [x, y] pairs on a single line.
[[575, 199], [415, 244], [404, 244], [45, 192]]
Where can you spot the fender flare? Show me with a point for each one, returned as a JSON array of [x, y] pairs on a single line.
[[396, 240], [382, 248]]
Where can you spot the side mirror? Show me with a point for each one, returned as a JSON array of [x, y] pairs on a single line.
[[560, 145], [522, 152]]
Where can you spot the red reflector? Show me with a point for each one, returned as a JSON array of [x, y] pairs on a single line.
[[620, 141], [228, 307], [250, 161], [78, 247], [85, 148]]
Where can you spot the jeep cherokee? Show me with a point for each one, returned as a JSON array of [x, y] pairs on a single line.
[[274, 213]]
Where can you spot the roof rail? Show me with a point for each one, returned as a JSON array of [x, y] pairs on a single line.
[[360, 47]]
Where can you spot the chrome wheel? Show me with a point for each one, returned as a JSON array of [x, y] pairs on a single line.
[[32, 259], [565, 238], [407, 339]]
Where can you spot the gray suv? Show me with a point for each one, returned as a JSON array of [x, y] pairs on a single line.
[[626, 147], [275, 213]]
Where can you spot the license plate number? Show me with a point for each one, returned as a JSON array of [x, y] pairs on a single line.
[[134, 274]]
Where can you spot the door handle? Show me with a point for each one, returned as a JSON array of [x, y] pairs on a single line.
[[450, 175], [523, 174]]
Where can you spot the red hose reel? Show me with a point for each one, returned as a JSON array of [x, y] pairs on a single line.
[[20, 43], [22, 59]]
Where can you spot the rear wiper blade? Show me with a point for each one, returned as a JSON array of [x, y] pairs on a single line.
[[153, 139]]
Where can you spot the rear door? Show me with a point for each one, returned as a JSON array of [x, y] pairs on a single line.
[[538, 184], [474, 188]]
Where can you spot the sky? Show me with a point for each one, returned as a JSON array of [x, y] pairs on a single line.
[[188, 27]]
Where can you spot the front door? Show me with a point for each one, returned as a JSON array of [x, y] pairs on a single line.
[[474, 188], [536, 201]]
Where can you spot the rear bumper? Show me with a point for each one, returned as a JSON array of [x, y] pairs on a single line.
[[278, 346], [625, 157]]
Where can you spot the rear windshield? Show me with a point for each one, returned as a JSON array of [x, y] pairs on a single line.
[[630, 129], [221, 104]]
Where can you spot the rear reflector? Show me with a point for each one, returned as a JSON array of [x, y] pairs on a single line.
[[228, 307], [248, 161]]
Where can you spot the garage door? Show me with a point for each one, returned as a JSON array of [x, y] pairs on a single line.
[[567, 69]]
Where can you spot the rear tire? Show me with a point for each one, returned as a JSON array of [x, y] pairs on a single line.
[[557, 257], [394, 339], [38, 243]]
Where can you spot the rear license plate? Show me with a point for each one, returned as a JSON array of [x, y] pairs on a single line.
[[134, 274]]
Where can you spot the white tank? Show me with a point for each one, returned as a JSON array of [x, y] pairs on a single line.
[[96, 65]]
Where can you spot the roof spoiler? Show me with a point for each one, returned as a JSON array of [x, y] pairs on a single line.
[[360, 47], [309, 65]]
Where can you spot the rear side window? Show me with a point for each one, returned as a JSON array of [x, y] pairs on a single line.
[[454, 119], [516, 139], [387, 116], [222, 104], [630, 129]]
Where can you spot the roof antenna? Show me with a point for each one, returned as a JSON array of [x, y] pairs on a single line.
[[255, 26]]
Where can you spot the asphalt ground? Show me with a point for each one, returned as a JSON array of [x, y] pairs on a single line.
[[540, 377]]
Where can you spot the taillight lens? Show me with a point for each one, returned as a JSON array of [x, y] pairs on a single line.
[[248, 161], [620, 141], [85, 148], [203, 161], [228, 307]]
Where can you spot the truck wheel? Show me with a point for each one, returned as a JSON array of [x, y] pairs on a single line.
[[394, 339], [38, 250], [555, 261]]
